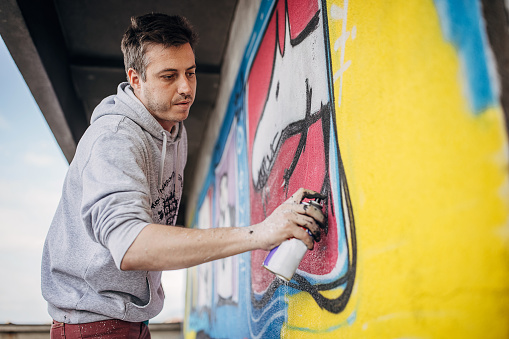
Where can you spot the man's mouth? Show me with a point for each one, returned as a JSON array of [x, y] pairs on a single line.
[[183, 105]]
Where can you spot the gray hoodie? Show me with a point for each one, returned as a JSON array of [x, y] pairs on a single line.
[[127, 173]]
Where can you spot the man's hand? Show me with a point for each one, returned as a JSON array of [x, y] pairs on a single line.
[[161, 247], [290, 220]]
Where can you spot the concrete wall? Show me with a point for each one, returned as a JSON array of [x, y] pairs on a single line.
[[392, 110]]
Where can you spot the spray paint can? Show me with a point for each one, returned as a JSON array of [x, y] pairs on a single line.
[[284, 259]]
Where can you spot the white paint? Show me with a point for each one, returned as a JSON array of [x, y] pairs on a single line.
[[338, 13], [340, 42], [302, 67], [226, 270], [204, 271], [339, 73]]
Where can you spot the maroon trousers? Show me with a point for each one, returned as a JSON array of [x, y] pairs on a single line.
[[107, 329]]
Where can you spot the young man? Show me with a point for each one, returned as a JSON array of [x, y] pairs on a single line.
[[110, 237]]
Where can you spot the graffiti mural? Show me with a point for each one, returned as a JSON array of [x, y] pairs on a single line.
[[287, 71], [391, 111], [204, 272], [226, 270], [292, 144]]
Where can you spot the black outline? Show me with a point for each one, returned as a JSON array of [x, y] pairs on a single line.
[[338, 304]]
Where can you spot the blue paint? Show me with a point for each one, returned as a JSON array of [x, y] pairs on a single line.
[[321, 331], [233, 321], [352, 317], [463, 26], [244, 320]]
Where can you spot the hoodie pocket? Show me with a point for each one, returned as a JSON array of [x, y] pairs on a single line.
[[134, 312], [109, 291]]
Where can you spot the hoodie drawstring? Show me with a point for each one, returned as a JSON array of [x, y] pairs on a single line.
[[163, 156], [177, 182]]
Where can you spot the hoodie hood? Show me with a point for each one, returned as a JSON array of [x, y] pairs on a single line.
[[127, 104]]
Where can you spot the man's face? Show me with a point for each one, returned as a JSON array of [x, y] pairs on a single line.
[[170, 85]]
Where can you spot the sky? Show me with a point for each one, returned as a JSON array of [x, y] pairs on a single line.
[[32, 170]]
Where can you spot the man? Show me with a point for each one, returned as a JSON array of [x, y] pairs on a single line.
[[110, 239]]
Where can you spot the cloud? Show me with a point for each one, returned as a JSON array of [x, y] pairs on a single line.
[[39, 160], [26, 215]]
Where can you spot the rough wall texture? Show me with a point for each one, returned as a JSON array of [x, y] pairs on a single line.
[[392, 110]]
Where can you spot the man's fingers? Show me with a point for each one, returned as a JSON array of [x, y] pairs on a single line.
[[303, 193], [305, 237], [314, 212], [310, 224], [305, 216]]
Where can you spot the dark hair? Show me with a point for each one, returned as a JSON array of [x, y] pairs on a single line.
[[154, 28]]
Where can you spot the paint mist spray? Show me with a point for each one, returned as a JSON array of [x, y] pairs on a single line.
[[284, 259]]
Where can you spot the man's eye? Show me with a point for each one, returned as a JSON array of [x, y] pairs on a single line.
[[191, 74], [169, 76]]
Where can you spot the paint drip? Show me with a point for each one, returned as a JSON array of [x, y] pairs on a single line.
[[284, 259]]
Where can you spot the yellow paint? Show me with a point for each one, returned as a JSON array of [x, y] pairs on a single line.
[[428, 181], [306, 319]]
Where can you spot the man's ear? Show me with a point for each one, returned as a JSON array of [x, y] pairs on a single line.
[[134, 79]]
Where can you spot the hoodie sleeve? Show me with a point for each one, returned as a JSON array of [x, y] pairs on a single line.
[[116, 195]]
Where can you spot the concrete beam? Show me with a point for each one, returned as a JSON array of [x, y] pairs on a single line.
[[39, 53]]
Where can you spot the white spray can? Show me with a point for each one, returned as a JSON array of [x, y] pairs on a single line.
[[284, 259]]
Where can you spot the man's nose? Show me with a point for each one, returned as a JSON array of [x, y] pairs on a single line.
[[184, 86]]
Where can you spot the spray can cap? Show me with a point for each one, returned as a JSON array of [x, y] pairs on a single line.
[[316, 203]]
